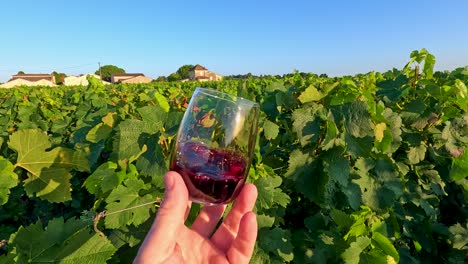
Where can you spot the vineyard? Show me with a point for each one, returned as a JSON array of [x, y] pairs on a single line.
[[370, 168]]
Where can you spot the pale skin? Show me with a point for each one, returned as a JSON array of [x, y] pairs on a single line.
[[171, 241]]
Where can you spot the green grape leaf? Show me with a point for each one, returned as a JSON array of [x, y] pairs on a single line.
[[337, 167], [103, 179], [270, 129], [49, 171], [386, 245], [162, 102], [459, 168], [126, 145], [286, 100], [69, 242], [379, 182], [330, 139], [303, 171], [388, 177], [454, 133], [342, 220], [172, 123], [53, 184], [154, 118], [459, 238], [8, 179], [369, 191], [102, 130], [269, 192], [393, 89], [376, 256], [124, 197], [352, 192], [428, 68], [130, 235], [358, 147], [461, 94], [358, 228], [310, 94], [81, 248], [385, 142], [357, 119], [153, 162], [31, 146], [305, 124], [352, 254], [416, 154], [260, 256], [265, 221], [388, 134], [278, 242], [269, 106], [278, 85], [364, 165], [379, 131], [2, 139], [436, 183]]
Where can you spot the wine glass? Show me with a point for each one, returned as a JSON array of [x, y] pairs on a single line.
[[214, 145]]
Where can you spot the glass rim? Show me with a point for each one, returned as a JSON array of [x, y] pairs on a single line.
[[226, 96]]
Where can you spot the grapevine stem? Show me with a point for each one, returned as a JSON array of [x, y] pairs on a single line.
[[104, 214], [130, 208]]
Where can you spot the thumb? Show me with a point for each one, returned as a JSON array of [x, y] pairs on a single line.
[[170, 216], [172, 211]]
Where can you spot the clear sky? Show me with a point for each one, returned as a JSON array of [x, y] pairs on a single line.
[[229, 37]]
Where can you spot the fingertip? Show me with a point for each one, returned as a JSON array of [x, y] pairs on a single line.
[[251, 189], [243, 245], [247, 197], [176, 193], [249, 221], [173, 181], [169, 180]]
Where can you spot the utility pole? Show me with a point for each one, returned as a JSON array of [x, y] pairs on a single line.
[[100, 73]]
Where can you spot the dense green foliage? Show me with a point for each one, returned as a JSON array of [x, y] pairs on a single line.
[[369, 168]]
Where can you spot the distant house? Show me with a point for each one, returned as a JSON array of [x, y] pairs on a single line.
[[130, 78], [30, 80], [200, 73], [138, 79], [81, 80], [33, 77]]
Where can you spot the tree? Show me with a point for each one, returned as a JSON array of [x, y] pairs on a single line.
[[108, 70], [20, 73], [173, 77], [59, 77], [184, 71], [161, 79]]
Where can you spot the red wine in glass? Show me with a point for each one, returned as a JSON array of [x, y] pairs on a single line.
[[214, 145], [211, 175]]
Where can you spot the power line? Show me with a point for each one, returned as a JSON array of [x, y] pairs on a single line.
[[78, 66]]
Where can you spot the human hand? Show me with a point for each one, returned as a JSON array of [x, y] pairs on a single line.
[[170, 241]]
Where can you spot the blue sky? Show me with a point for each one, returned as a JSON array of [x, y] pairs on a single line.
[[229, 37]]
